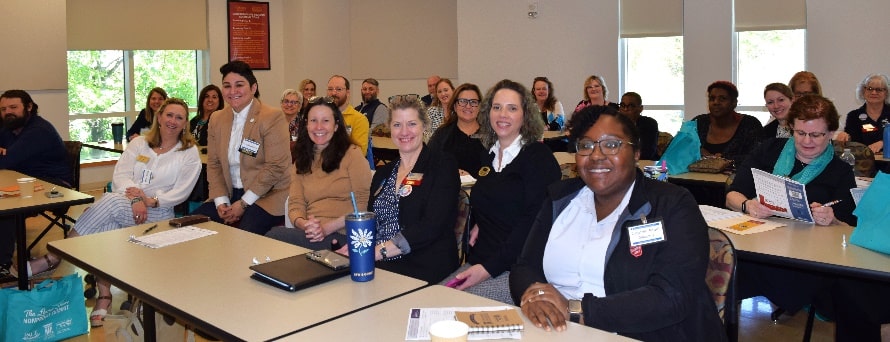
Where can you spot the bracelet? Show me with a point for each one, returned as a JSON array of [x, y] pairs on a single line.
[[157, 203], [244, 205], [135, 199], [745, 206]]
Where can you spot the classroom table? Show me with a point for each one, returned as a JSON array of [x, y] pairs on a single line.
[[388, 321], [104, 145], [206, 282], [707, 188], [805, 247], [21, 208]]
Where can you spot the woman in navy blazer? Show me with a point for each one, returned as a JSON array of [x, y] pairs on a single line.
[[415, 200]]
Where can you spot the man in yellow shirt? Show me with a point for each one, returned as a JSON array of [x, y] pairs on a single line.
[[356, 124]]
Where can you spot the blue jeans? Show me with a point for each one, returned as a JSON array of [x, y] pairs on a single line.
[[255, 219]]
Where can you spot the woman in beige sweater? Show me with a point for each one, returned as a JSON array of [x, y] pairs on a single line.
[[328, 167]]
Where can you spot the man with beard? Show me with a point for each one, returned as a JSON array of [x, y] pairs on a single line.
[[356, 123], [28, 144], [376, 112]]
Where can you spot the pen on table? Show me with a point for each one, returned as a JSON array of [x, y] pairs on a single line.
[[149, 229], [832, 203]]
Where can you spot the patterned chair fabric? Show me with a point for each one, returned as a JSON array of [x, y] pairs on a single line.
[[719, 276], [664, 139], [462, 225], [865, 158]]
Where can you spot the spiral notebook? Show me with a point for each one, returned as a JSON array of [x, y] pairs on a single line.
[[491, 321]]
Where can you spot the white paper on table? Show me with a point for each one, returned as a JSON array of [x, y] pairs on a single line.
[[736, 222], [784, 197], [420, 319], [857, 194], [171, 237]]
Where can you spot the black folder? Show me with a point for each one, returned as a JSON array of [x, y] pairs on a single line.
[[295, 273]]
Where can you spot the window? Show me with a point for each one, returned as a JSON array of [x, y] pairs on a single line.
[[107, 86], [653, 68], [765, 57]]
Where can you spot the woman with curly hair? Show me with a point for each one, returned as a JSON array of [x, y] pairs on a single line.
[[509, 190]]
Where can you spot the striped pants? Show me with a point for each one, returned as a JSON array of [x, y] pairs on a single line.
[[113, 211]]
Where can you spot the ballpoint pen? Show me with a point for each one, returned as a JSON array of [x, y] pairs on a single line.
[[832, 203], [149, 229]]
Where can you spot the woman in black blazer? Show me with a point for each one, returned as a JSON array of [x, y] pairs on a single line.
[[415, 200]]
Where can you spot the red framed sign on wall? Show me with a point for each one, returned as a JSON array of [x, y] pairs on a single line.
[[249, 33]]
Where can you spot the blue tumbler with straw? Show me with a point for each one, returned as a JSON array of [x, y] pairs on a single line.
[[361, 231]]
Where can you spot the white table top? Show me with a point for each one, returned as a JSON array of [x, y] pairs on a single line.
[[207, 281], [804, 245], [388, 321], [38, 202]]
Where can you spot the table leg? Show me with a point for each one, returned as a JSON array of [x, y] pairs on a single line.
[[21, 251], [148, 323]]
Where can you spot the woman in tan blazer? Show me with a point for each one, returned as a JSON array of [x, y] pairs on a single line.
[[248, 156]]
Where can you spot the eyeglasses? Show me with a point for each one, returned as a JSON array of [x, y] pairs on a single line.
[[608, 147], [321, 99], [814, 135], [470, 102], [290, 102], [872, 89], [336, 90], [404, 97], [629, 105]]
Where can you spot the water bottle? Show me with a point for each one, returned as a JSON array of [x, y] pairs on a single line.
[[886, 141], [848, 157]]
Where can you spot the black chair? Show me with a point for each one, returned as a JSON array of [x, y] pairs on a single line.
[[59, 217]]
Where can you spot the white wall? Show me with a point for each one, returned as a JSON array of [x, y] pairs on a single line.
[[707, 50], [569, 41], [847, 40]]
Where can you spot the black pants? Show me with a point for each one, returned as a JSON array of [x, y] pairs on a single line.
[[255, 219]]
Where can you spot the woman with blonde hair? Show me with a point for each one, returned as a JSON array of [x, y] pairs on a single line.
[[154, 174], [595, 92]]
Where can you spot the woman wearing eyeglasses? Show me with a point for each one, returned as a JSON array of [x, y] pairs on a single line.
[[580, 262], [510, 187], [458, 135], [551, 109], [806, 157], [248, 159], [866, 124], [291, 102]]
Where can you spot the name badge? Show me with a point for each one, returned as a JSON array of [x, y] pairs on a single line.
[[868, 128], [146, 176], [646, 233], [249, 147], [413, 179], [349, 129], [143, 159]]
